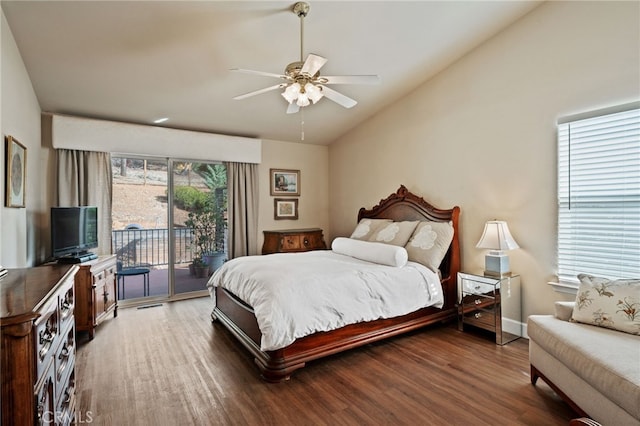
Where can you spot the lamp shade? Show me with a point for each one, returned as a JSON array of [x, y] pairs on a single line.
[[496, 236]]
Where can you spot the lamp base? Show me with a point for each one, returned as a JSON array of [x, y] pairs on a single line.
[[496, 264]]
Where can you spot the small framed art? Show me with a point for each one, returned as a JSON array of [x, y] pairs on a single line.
[[285, 208], [16, 167], [285, 182]]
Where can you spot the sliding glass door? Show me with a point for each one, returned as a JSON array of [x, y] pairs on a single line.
[[140, 232], [200, 221], [169, 221]]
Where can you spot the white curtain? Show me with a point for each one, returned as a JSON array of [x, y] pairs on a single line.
[[84, 179], [242, 199]]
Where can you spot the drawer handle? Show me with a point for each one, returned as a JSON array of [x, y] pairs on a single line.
[[306, 242], [477, 315], [477, 301], [477, 287], [47, 336], [64, 352]]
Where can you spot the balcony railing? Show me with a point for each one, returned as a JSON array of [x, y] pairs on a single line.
[[150, 247]]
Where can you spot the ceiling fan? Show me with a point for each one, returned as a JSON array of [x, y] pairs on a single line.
[[303, 83]]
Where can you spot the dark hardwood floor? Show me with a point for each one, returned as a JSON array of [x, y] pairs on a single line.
[[169, 365]]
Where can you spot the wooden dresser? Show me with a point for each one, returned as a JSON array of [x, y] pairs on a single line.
[[38, 345], [96, 293], [293, 240]]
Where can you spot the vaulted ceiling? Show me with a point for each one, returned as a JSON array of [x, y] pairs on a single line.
[[137, 61]]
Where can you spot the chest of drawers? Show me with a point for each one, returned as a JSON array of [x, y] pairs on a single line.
[[96, 293], [293, 240], [492, 304], [38, 345]]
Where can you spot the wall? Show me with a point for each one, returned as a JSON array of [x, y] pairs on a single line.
[[21, 229], [313, 163], [481, 134]]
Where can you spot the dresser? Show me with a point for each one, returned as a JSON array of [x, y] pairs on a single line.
[[293, 240], [38, 345], [491, 304], [96, 293]]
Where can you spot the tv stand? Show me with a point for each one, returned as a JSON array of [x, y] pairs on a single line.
[[77, 258]]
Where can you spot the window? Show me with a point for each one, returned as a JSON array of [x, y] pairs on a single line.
[[599, 195]]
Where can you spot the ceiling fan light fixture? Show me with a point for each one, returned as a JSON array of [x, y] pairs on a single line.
[[313, 92], [291, 92], [303, 100]]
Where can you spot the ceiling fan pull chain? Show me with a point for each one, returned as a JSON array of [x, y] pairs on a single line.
[[302, 125]]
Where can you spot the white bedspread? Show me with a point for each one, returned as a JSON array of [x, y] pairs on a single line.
[[296, 294]]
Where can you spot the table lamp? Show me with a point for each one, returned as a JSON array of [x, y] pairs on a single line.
[[496, 237]]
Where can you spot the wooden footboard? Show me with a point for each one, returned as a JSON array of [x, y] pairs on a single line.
[[276, 366]]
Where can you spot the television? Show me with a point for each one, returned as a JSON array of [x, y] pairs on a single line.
[[74, 230]]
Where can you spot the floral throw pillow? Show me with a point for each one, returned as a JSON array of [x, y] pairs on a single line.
[[429, 243], [608, 303]]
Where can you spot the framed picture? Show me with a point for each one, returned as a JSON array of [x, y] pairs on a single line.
[[285, 208], [285, 182], [16, 156]]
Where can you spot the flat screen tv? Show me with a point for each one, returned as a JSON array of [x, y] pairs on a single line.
[[74, 230]]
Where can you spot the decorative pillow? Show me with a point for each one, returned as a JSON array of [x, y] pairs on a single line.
[[366, 228], [610, 304], [394, 233], [383, 254], [429, 243]]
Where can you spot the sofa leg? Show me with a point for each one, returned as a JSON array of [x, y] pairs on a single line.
[[534, 375]]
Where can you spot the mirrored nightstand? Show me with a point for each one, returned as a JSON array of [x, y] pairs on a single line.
[[490, 303]]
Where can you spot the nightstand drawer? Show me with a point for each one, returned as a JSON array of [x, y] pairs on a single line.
[[483, 318], [477, 301]]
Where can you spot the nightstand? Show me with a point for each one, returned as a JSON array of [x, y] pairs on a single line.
[[490, 303], [293, 240]]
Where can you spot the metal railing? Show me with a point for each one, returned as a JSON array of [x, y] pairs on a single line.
[[150, 247]]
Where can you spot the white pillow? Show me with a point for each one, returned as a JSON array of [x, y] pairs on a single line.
[[383, 254]]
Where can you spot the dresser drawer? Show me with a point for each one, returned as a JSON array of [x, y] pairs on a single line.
[[64, 360], [47, 331], [66, 306], [293, 240], [290, 242], [67, 402]]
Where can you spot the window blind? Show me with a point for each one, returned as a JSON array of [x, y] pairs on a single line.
[[599, 196]]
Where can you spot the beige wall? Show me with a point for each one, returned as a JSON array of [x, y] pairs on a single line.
[[313, 163], [481, 134], [21, 229]]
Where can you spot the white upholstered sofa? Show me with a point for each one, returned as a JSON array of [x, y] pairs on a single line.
[[596, 370]]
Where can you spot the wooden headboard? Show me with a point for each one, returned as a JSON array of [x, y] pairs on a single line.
[[404, 205]]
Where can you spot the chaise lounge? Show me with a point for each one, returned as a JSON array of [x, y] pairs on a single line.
[[596, 370]]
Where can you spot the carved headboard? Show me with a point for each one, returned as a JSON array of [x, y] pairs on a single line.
[[404, 205]]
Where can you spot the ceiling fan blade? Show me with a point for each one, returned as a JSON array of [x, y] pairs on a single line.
[[351, 79], [257, 92], [337, 97], [293, 108], [262, 73], [313, 64]]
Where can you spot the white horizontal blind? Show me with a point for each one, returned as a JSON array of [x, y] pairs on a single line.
[[599, 196]]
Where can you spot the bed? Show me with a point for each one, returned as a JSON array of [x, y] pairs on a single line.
[[278, 364]]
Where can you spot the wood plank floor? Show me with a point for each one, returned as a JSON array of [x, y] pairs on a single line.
[[169, 365]]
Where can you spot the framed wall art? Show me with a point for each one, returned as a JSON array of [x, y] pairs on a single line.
[[16, 167], [285, 182], [285, 208]]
